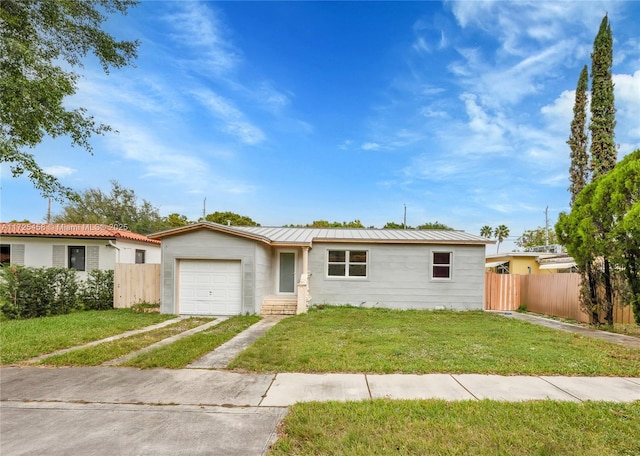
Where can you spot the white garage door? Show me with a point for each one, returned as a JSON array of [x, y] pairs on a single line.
[[210, 287]]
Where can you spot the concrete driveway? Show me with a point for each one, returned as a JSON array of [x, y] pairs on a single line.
[[108, 411]]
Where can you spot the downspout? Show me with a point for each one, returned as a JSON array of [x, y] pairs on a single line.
[[112, 244]]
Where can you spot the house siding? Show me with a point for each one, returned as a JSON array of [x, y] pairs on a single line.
[[399, 276], [207, 245]]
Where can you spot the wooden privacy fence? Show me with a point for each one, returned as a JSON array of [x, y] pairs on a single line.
[[134, 283], [549, 294]]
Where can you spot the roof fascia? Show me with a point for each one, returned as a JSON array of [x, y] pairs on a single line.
[[213, 227], [398, 241]]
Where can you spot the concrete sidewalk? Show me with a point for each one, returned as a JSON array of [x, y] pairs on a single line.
[[232, 389]]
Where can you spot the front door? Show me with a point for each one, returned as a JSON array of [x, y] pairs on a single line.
[[287, 272]]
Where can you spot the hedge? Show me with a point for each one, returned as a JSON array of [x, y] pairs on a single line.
[[27, 292]]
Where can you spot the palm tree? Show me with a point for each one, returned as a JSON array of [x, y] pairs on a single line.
[[501, 233], [486, 231]]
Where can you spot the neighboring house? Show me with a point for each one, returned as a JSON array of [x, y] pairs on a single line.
[[529, 263], [83, 247], [213, 269]]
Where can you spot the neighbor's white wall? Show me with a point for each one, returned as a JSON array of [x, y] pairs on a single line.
[[127, 252]]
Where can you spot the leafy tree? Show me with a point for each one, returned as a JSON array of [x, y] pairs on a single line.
[[175, 221], [434, 226], [501, 232], [326, 224], [120, 208], [41, 43], [605, 223], [394, 226], [486, 231], [535, 238], [603, 146], [616, 208], [579, 169], [230, 218]]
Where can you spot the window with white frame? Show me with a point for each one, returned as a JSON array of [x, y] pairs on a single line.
[[77, 256], [441, 265], [347, 263]]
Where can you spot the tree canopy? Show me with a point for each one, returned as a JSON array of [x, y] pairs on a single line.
[[578, 140], [603, 113], [605, 223], [39, 42], [230, 218], [536, 238], [120, 207]]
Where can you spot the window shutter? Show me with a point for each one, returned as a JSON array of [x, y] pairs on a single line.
[[93, 257], [59, 256], [17, 254]]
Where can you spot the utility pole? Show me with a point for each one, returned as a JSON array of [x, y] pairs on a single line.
[[204, 208], [546, 229], [49, 211], [404, 223]]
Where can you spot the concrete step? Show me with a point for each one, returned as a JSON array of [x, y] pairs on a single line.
[[276, 305]]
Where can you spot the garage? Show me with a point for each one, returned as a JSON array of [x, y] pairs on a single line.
[[210, 287]]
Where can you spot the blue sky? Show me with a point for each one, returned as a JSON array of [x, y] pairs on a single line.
[[290, 112]]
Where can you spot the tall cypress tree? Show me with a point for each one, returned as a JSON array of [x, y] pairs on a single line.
[[603, 113], [603, 122], [579, 169]]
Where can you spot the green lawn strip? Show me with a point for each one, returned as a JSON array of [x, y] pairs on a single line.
[[190, 348], [98, 354], [26, 339], [465, 428], [347, 339]]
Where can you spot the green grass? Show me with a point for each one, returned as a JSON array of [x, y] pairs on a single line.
[[383, 427], [25, 339], [191, 348], [347, 339], [106, 351]]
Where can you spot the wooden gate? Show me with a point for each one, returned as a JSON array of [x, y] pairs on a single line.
[[134, 283], [502, 291]]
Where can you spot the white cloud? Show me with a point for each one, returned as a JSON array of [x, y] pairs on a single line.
[[59, 171], [233, 119], [627, 102], [197, 27], [371, 146]]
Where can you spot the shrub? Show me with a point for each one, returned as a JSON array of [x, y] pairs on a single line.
[[96, 293], [37, 292]]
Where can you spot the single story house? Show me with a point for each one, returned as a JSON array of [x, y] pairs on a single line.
[[529, 263], [83, 247], [213, 269]]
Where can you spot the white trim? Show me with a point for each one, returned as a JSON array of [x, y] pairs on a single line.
[[295, 273], [450, 265], [346, 263], [558, 265], [495, 263]]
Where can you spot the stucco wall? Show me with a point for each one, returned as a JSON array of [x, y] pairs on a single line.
[[204, 244], [399, 276]]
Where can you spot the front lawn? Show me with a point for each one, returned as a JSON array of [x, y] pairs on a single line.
[[465, 427], [25, 339], [347, 339], [191, 348], [107, 351]]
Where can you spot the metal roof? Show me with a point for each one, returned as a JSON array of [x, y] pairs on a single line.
[[307, 236]]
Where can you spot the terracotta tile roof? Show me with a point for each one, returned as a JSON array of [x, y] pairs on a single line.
[[72, 230]]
